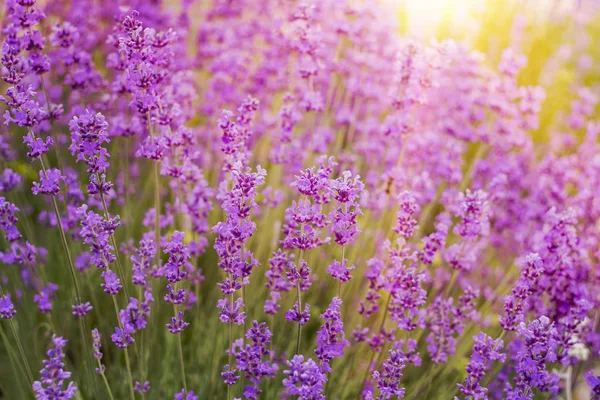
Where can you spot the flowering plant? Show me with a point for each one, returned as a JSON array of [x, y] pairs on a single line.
[[374, 220]]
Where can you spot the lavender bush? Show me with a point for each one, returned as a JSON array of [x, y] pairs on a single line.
[[283, 199]]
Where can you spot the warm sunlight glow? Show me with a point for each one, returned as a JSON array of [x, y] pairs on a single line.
[[424, 18]]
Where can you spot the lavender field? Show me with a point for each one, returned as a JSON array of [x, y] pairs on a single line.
[[299, 199]]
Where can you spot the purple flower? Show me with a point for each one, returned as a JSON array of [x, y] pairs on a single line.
[[37, 146], [177, 324], [9, 180], [7, 309], [485, 350], [339, 271], [594, 383], [96, 231], [186, 396], [136, 314], [8, 220], [142, 388], [388, 380], [97, 344], [231, 313], [295, 315], [474, 212], [49, 183], [122, 337], [45, 296], [88, 134], [304, 378], [276, 280], [331, 340], [175, 297], [80, 310], [539, 348], [112, 284], [178, 258], [405, 223], [253, 359], [141, 261], [408, 296], [229, 375], [516, 303], [53, 375], [446, 321]]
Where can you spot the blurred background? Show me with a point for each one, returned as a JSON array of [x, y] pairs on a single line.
[[558, 37]]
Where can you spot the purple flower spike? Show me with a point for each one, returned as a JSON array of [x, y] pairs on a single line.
[[177, 324], [304, 378], [53, 375], [112, 284], [7, 309], [80, 310]]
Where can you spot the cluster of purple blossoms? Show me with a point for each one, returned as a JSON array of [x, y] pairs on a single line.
[[515, 304], [388, 381], [132, 319], [54, 375], [8, 220], [7, 308], [593, 382], [445, 321], [233, 234], [331, 340], [536, 348], [88, 134], [97, 345], [485, 351], [141, 262], [304, 379], [183, 395], [45, 296], [253, 359]]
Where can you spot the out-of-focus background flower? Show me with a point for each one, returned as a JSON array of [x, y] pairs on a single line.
[[559, 38]]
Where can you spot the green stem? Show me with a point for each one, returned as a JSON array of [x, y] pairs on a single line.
[[127, 363], [12, 356], [381, 325], [11, 322], [21, 350], [180, 347], [299, 337], [106, 383], [114, 243], [63, 239]]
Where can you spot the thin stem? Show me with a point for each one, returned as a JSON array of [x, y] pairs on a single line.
[[339, 289], [180, 347], [106, 382], [11, 322], [450, 284], [63, 238], [11, 355], [131, 391], [381, 325], [230, 337], [114, 243], [299, 337], [21, 350], [568, 384]]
